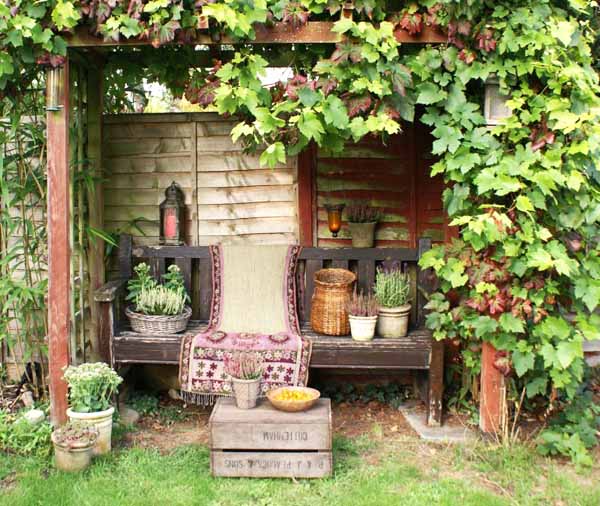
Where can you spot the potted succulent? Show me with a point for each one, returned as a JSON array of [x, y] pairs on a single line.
[[362, 313], [245, 369], [73, 446], [157, 308], [362, 220], [91, 387], [392, 288]]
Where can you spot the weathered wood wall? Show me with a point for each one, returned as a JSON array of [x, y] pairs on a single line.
[[394, 178], [229, 198]]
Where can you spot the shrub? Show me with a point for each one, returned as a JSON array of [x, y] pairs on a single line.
[[18, 436], [362, 305], [91, 386], [392, 287]]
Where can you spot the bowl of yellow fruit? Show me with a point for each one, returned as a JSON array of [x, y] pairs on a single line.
[[293, 399]]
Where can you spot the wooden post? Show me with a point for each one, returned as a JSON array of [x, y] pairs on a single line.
[[306, 195], [58, 250], [492, 392], [100, 348]]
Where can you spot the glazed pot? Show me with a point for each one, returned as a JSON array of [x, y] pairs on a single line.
[[362, 327], [363, 234], [246, 392], [74, 457], [393, 321], [103, 421]]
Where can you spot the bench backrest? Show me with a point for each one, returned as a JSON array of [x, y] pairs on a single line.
[[196, 269]]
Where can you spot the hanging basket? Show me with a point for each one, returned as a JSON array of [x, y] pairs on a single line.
[[158, 324], [333, 288]]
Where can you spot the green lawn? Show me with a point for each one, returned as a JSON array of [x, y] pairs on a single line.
[[368, 471]]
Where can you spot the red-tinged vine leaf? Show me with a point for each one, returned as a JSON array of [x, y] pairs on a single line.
[[467, 56], [50, 60], [345, 51], [187, 36], [411, 23], [327, 85], [486, 41], [432, 16], [357, 105], [390, 110], [296, 83], [167, 31], [502, 363], [295, 15], [464, 27]]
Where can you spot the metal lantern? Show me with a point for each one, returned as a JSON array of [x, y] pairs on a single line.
[[495, 109], [54, 79], [334, 217], [172, 216]]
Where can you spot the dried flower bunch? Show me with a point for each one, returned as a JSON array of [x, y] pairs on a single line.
[[151, 298], [392, 287], [362, 305], [91, 386], [75, 435], [362, 213], [244, 365]]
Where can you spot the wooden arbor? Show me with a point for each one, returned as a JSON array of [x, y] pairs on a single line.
[[59, 254]]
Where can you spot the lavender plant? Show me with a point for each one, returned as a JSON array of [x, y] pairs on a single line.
[[362, 305], [362, 213], [244, 365], [392, 287], [151, 298]]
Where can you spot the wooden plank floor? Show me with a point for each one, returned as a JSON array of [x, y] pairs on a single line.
[[410, 352]]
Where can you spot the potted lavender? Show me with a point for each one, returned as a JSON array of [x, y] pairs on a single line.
[[392, 291], [362, 313], [362, 220], [245, 369]]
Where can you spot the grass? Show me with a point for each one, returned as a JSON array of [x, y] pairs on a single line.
[[369, 470]]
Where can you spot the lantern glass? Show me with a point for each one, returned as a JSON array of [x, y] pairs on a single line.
[[172, 216], [334, 217], [495, 109], [54, 78]]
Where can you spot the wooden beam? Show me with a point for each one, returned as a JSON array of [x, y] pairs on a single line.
[[306, 195], [58, 250], [491, 399], [100, 342], [313, 32]]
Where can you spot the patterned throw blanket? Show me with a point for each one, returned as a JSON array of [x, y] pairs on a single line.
[[253, 308]]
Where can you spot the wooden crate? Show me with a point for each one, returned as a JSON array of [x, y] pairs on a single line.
[[267, 443]]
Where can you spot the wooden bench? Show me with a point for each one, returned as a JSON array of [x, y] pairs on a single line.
[[417, 351]]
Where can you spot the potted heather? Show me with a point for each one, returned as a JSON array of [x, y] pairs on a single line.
[[362, 313], [392, 288], [157, 308], [245, 369], [74, 446], [91, 388], [362, 220]]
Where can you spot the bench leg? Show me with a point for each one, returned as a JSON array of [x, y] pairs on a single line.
[[436, 385]]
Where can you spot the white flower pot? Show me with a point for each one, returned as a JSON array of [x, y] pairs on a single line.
[[246, 392], [103, 421], [393, 321], [362, 327]]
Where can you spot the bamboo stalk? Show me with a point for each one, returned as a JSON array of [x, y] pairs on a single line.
[[72, 172], [80, 208]]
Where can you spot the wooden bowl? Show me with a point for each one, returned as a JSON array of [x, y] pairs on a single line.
[[293, 406]]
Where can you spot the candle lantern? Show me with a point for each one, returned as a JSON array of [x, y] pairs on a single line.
[[172, 216], [54, 78], [334, 217], [495, 109]]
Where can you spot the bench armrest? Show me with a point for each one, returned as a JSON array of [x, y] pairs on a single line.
[[109, 291]]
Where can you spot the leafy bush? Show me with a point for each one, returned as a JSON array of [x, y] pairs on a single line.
[[91, 386], [18, 436], [151, 298], [392, 287]]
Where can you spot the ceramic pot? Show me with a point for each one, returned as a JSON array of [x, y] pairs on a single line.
[[362, 327], [72, 458], [363, 234], [393, 321], [103, 421], [246, 392]]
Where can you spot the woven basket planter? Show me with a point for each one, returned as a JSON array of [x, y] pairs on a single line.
[[333, 288], [158, 324]]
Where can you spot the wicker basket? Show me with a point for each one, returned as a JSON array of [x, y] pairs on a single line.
[[328, 314], [155, 324]]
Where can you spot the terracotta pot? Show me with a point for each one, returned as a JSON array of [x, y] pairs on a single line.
[[393, 321], [246, 392], [103, 421], [362, 327], [72, 458], [363, 234]]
